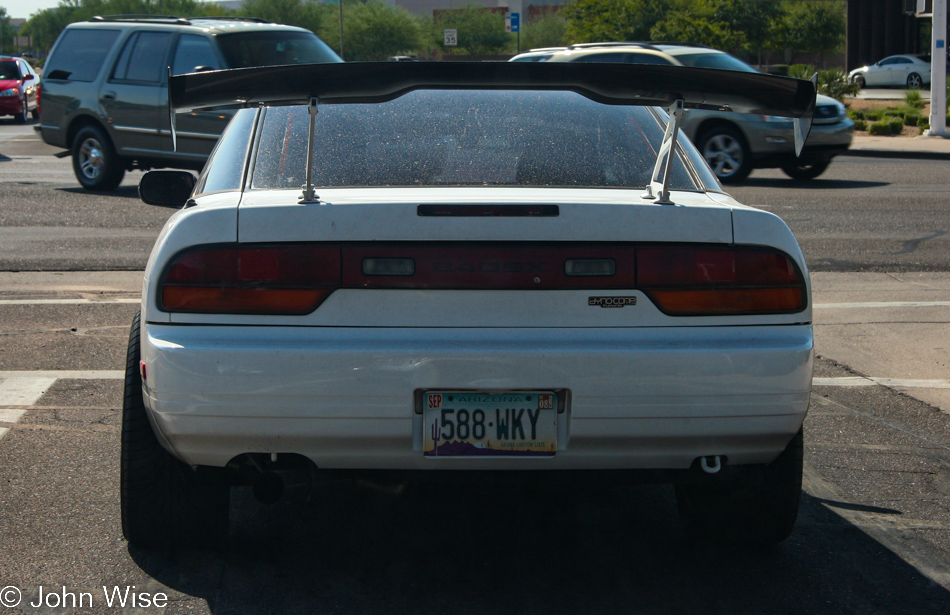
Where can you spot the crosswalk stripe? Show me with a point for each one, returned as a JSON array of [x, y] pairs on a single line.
[[23, 391], [78, 301], [861, 381], [92, 374], [880, 304]]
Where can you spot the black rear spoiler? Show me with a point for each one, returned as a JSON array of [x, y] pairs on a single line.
[[615, 84], [676, 87]]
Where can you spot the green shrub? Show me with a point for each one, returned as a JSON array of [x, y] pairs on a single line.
[[897, 125], [860, 125], [911, 119], [856, 115], [923, 127], [913, 100], [879, 129], [874, 116]]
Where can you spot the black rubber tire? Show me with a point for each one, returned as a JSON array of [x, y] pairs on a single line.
[[165, 503], [858, 79], [759, 509], [806, 171], [727, 152], [35, 113], [95, 163], [914, 81], [23, 115]]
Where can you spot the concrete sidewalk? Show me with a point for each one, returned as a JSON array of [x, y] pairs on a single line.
[[901, 147]]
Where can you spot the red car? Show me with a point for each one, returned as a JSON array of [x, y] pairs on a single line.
[[18, 83]]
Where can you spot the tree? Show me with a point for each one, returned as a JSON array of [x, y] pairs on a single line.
[[373, 31], [590, 21], [546, 31], [480, 31], [697, 28], [302, 13], [811, 26], [6, 32]]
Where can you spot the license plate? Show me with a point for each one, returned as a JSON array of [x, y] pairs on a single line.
[[472, 424]]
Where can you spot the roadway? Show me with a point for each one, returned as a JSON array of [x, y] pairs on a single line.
[[874, 530]]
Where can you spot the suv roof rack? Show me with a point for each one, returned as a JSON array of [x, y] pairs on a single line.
[[231, 18], [680, 44], [144, 18], [613, 44]]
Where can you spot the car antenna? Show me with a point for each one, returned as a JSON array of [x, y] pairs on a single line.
[[664, 158], [309, 197]]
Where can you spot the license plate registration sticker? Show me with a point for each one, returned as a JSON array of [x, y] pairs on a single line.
[[473, 424]]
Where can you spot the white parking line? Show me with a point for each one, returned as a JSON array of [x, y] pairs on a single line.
[[861, 381], [879, 304], [19, 391], [79, 301], [95, 374]]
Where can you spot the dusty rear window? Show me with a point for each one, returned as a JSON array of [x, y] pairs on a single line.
[[453, 138]]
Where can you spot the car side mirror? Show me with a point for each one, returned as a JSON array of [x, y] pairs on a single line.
[[168, 188], [28, 77]]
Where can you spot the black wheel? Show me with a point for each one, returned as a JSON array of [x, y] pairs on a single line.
[[35, 113], [859, 80], [914, 81], [758, 509], [165, 502], [23, 115], [726, 151], [805, 171], [95, 163]]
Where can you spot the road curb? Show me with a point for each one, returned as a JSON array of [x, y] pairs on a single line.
[[881, 153]]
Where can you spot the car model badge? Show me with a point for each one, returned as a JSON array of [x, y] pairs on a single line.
[[611, 302]]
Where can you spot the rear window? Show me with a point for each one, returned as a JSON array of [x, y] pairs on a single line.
[[248, 49], [452, 138], [80, 53]]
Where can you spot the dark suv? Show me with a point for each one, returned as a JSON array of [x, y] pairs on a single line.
[[105, 98]]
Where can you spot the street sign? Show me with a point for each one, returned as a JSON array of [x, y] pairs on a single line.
[[512, 22], [450, 37]]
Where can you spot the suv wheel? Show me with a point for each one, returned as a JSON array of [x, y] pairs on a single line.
[[727, 153], [805, 171], [165, 502], [95, 163], [758, 509], [23, 115]]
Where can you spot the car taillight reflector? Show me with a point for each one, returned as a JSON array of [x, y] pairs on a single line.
[[291, 279], [692, 281]]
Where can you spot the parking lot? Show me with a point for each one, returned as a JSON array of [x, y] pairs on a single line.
[[873, 534]]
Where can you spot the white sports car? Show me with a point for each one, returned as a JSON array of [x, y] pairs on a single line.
[[440, 268], [903, 71]]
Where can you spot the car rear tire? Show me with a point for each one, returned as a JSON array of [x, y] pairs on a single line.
[[805, 171], [859, 81], [914, 81], [728, 154], [35, 113], [23, 115], [758, 509], [165, 503], [95, 163]]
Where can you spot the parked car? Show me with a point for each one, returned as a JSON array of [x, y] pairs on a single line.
[[388, 269], [901, 70], [734, 144], [536, 55], [18, 83], [105, 96]]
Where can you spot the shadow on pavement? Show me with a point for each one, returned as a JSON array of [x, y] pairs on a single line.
[[571, 550], [129, 192], [813, 184]]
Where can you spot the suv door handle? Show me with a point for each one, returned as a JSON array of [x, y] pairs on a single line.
[[108, 95]]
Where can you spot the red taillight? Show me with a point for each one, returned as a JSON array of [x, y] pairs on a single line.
[[292, 279], [38, 90], [681, 280], [694, 281]]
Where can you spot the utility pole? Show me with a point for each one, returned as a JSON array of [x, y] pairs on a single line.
[[938, 71]]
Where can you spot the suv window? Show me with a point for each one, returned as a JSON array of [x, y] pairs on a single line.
[[722, 61], [9, 70], [80, 53], [248, 49], [194, 52], [143, 58]]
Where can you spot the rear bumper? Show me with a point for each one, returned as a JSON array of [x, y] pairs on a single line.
[[775, 147], [638, 398]]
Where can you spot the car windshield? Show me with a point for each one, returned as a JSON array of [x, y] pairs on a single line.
[[247, 49], [450, 138], [722, 61], [9, 70]]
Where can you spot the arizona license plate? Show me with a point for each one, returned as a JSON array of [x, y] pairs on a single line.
[[472, 424]]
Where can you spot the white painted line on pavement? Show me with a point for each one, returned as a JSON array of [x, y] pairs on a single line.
[[861, 381], [95, 374], [23, 391], [8, 415], [879, 304], [69, 301]]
